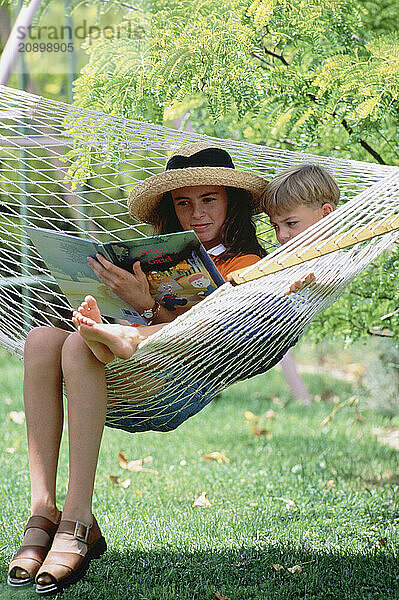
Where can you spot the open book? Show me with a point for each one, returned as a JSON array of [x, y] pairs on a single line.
[[179, 270]]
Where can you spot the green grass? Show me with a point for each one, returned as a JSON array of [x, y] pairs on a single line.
[[271, 504]]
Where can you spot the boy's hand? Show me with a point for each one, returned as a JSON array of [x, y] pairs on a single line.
[[301, 283], [133, 288]]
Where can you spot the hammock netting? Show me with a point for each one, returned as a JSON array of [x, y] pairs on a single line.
[[70, 169]]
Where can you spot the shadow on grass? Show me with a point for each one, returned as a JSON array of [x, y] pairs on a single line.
[[239, 574]]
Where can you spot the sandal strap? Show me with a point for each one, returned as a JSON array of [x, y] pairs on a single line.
[[38, 522], [84, 532], [26, 555], [37, 553]]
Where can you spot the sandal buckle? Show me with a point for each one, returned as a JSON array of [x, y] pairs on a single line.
[[76, 535]]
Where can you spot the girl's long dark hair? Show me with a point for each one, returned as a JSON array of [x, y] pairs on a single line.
[[238, 232]]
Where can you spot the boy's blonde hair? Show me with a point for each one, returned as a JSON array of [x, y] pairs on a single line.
[[310, 185]]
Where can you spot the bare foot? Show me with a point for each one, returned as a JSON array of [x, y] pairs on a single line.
[[120, 340], [89, 310]]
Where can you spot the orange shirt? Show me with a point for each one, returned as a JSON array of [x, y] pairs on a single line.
[[238, 262]]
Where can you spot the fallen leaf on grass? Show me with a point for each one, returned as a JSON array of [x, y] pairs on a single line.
[[202, 501], [270, 414], [381, 542], [17, 417], [328, 394], [258, 430], [295, 569], [250, 417], [358, 417], [332, 414], [239, 565], [218, 456], [353, 401], [123, 484], [330, 485], [220, 596], [288, 503], [134, 465]]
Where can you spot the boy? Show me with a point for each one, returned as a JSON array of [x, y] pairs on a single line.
[[296, 199]]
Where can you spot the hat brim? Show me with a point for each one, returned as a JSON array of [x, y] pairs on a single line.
[[145, 197]]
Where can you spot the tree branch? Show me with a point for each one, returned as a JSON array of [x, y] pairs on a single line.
[[389, 315], [344, 123], [261, 58], [364, 144], [275, 55], [388, 334], [127, 6], [349, 129]]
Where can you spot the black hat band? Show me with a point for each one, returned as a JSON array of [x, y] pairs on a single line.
[[210, 157]]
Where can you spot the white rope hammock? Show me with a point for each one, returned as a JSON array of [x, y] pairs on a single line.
[[71, 169]]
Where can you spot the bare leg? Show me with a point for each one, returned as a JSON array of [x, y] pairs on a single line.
[[87, 403], [43, 396], [86, 390], [89, 309]]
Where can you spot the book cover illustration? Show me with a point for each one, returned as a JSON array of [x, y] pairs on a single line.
[[179, 270]]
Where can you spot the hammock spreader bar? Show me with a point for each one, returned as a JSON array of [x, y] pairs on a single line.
[[339, 242]]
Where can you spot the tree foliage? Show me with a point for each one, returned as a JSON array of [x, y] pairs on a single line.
[[320, 74], [370, 306]]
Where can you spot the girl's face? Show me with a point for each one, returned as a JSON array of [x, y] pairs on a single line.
[[202, 208]]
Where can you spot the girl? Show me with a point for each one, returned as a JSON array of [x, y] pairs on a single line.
[[199, 190]]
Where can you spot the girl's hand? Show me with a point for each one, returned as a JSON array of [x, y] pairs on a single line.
[[132, 288], [301, 283]]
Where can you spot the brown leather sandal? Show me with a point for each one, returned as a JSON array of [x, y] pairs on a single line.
[[75, 545], [38, 536]]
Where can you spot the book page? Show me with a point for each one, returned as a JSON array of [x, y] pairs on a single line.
[[66, 259]]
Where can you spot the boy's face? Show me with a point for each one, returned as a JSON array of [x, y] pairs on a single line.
[[290, 223]]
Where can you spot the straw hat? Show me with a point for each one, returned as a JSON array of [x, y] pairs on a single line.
[[195, 164]]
